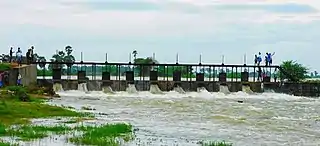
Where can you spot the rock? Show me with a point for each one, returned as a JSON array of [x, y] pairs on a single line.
[[56, 95], [24, 97]]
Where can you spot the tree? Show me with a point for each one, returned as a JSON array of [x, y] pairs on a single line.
[[69, 58], [145, 68], [135, 54], [63, 57], [42, 61], [293, 71]]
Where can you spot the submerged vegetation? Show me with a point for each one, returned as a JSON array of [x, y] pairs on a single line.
[[18, 107], [104, 135], [215, 143], [93, 135]]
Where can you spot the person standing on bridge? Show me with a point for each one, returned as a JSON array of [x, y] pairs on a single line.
[[28, 56], [255, 59], [19, 56], [269, 57], [31, 54], [10, 54], [259, 59]]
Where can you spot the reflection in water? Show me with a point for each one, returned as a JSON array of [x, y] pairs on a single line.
[[184, 119]]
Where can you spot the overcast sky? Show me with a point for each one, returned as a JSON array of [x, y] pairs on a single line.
[[189, 27]]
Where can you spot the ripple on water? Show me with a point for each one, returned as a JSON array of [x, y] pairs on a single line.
[[184, 119]]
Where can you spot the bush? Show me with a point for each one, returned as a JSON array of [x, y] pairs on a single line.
[[19, 93], [293, 71], [5, 66]]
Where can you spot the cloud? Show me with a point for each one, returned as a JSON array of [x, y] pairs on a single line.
[[275, 8], [190, 27]]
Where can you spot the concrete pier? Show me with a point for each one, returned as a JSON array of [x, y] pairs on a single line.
[[27, 72]]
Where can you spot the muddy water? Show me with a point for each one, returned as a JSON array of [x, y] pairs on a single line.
[[184, 119]]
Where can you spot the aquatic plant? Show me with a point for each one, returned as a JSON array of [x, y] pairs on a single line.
[[215, 143], [5, 143], [103, 135], [30, 132]]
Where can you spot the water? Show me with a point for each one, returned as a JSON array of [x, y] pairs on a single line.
[[57, 87], [83, 87], [224, 89], [131, 89], [171, 118], [108, 90], [154, 89], [184, 119], [247, 89], [178, 89]]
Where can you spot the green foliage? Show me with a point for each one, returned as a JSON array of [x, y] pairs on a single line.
[[5, 66], [293, 71], [19, 93], [103, 135], [30, 132], [16, 112], [215, 143], [63, 56]]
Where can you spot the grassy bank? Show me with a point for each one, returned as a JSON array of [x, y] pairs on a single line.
[[17, 107]]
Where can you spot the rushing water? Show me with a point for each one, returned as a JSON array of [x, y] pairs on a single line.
[[184, 119]]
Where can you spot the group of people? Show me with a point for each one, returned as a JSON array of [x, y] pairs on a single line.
[[267, 59], [29, 55], [4, 79]]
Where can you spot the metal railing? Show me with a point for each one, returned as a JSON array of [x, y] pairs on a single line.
[[94, 71]]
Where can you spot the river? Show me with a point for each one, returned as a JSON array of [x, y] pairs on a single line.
[[184, 119]]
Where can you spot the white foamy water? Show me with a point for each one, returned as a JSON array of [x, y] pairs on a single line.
[[154, 89], [131, 89], [57, 87], [171, 118], [107, 90], [178, 89], [83, 87], [247, 89], [224, 89]]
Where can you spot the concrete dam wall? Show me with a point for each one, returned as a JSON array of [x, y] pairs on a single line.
[[298, 89]]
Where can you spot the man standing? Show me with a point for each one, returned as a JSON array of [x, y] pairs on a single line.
[[11, 52], [31, 54], [28, 56], [19, 56]]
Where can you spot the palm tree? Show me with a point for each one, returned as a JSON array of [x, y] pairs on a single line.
[[42, 61], [135, 54], [68, 50]]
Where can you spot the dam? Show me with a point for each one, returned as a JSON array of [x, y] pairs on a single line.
[[114, 77]]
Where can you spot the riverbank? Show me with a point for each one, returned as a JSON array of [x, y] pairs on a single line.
[[19, 110]]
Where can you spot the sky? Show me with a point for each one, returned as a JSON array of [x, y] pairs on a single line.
[[235, 29]]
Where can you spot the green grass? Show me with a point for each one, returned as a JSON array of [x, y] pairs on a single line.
[[15, 112], [103, 135], [5, 66], [215, 143], [17, 107], [4, 143], [93, 135], [28, 132]]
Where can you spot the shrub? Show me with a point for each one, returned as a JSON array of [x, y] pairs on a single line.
[[19, 93]]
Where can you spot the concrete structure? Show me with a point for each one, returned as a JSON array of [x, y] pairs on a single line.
[[27, 72], [297, 89]]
